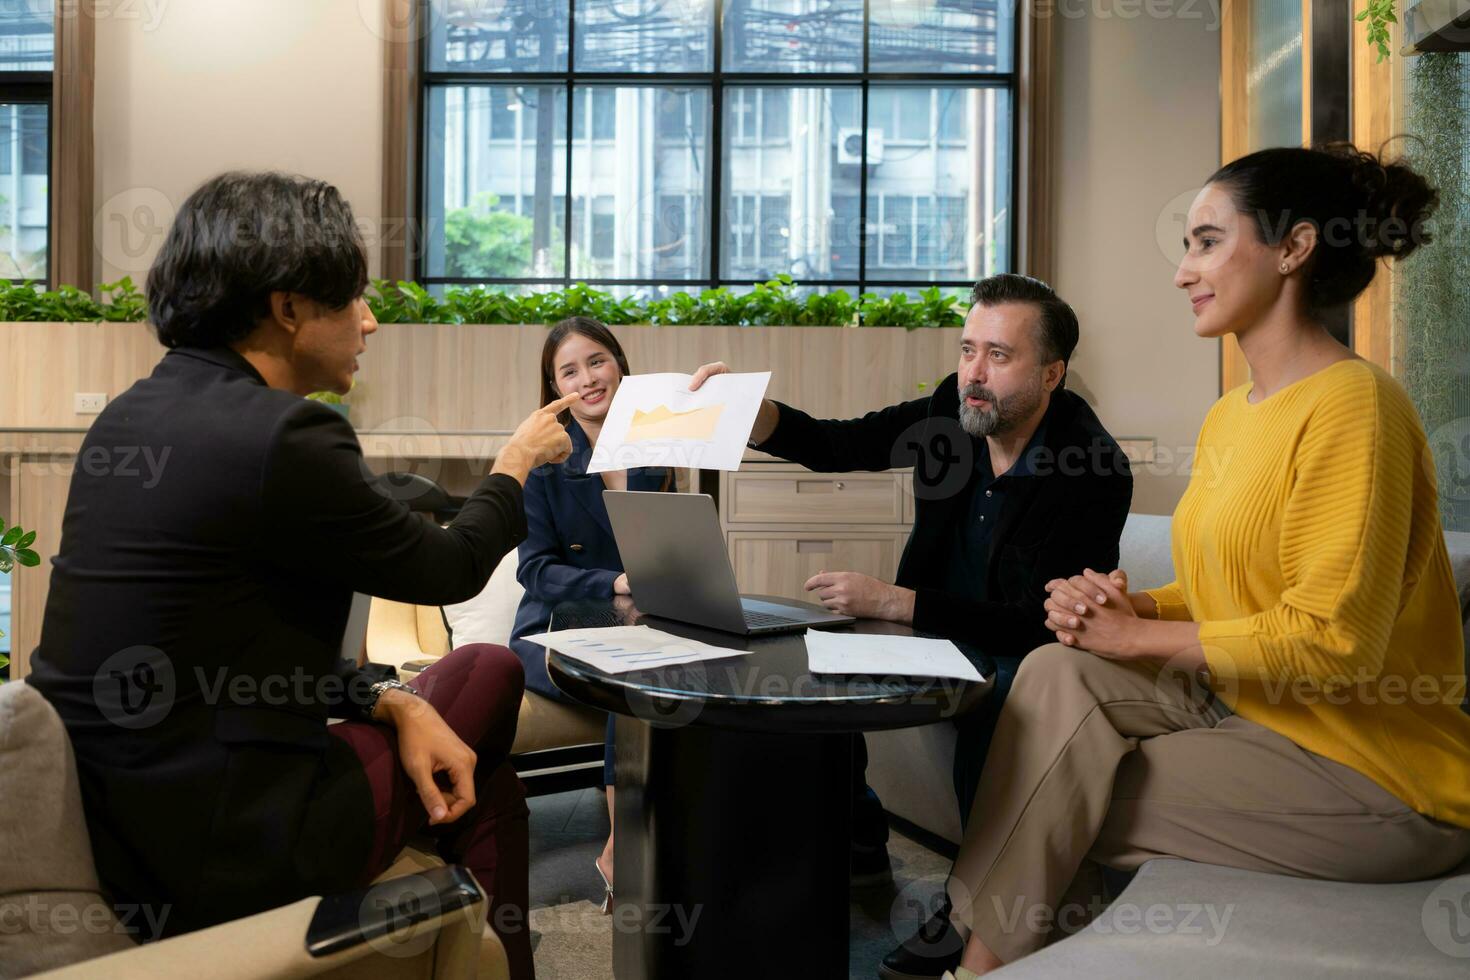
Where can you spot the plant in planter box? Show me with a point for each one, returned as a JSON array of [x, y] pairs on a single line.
[[932, 309], [15, 549], [27, 302]]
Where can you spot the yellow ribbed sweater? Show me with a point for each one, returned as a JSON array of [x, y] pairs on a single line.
[[1308, 547]]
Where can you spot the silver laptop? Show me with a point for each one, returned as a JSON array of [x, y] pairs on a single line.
[[678, 568]]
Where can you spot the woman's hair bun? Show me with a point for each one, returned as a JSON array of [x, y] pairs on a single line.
[[1362, 207], [1395, 200]]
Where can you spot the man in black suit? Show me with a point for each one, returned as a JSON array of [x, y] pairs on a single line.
[[1016, 482], [191, 635]]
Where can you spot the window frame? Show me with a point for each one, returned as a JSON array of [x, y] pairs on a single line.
[[714, 82]]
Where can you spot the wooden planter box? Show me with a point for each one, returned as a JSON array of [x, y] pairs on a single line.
[[484, 378]]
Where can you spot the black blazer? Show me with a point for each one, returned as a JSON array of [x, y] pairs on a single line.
[[1065, 517], [569, 551], [192, 632]]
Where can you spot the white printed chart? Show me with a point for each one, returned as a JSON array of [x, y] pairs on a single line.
[[655, 420]]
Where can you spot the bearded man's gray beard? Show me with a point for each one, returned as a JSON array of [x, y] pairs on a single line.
[[1003, 414]]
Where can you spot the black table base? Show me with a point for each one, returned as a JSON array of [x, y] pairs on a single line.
[[732, 853]]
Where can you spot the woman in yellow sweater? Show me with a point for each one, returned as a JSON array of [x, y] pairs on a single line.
[[1292, 703]]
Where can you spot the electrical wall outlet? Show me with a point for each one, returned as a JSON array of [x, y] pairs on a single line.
[[90, 402], [1138, 449]]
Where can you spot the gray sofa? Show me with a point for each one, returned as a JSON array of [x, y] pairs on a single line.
[[1263, 925]]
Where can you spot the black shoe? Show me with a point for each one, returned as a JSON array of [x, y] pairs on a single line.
[[926, 954], [869, 867]]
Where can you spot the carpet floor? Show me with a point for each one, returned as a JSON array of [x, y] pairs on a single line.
[[574, 942]]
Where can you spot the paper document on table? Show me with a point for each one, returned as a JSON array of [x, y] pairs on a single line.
[[877, 655], [655, 420], [619, 649]]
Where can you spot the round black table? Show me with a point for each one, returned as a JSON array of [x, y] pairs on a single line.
[[734, 790]]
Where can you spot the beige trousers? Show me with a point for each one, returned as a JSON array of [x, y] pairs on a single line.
[[1099, 761]]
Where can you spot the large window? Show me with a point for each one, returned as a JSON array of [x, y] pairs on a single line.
[[638, 144], [26, 47]]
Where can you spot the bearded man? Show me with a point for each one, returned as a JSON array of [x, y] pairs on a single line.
[[1016, 483]]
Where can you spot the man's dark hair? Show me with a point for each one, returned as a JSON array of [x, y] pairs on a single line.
[[1056, 335], [241, 237]]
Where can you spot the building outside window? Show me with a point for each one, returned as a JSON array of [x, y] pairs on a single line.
[[27, 42], [790, 137]]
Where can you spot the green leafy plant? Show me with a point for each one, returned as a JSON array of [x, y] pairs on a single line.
[[15, 549], [29, 302], [123, 302], [777, 302], [405, 302], [932, 309], [1379, 14]]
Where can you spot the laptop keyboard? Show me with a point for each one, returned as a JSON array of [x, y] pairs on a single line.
[[756, 620]]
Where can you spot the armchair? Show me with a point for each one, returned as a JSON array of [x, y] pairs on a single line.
[[421, 919]]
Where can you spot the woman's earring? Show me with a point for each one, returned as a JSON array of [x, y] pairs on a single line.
[[1285, 268]]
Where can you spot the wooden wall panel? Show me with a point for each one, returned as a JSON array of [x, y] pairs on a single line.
[[483, 379], [50, 362], [478, 378], [1376, 115], [1234, 140]]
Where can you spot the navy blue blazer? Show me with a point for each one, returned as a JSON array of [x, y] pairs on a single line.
[[569, 551]]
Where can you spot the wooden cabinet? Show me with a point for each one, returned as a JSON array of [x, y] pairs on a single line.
[[800, 497], [780, 562], [783, 524]]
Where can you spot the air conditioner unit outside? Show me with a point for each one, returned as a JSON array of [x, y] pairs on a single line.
[[1436, 25], [850, 147]]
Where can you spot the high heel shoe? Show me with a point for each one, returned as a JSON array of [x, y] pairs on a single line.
[[607, 892]]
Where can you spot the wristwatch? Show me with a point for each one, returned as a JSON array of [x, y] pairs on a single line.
[[378, 687]]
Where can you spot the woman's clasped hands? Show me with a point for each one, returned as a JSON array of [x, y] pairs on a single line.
[[1093, 612]]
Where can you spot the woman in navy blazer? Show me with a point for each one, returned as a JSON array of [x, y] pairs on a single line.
[[569, 551]]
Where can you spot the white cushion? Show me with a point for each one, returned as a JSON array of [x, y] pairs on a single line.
[[489, 616]]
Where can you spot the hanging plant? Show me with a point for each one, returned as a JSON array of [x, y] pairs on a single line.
[[1379, 14]]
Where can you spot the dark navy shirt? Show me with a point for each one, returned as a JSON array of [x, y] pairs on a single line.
[[966, 568]]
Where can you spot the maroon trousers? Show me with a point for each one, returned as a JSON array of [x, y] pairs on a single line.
[[477, 690]]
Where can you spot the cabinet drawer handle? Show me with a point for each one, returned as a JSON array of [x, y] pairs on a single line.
[[814, 547], [818, 486]]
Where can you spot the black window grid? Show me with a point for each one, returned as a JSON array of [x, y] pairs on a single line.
[[715, 81]]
